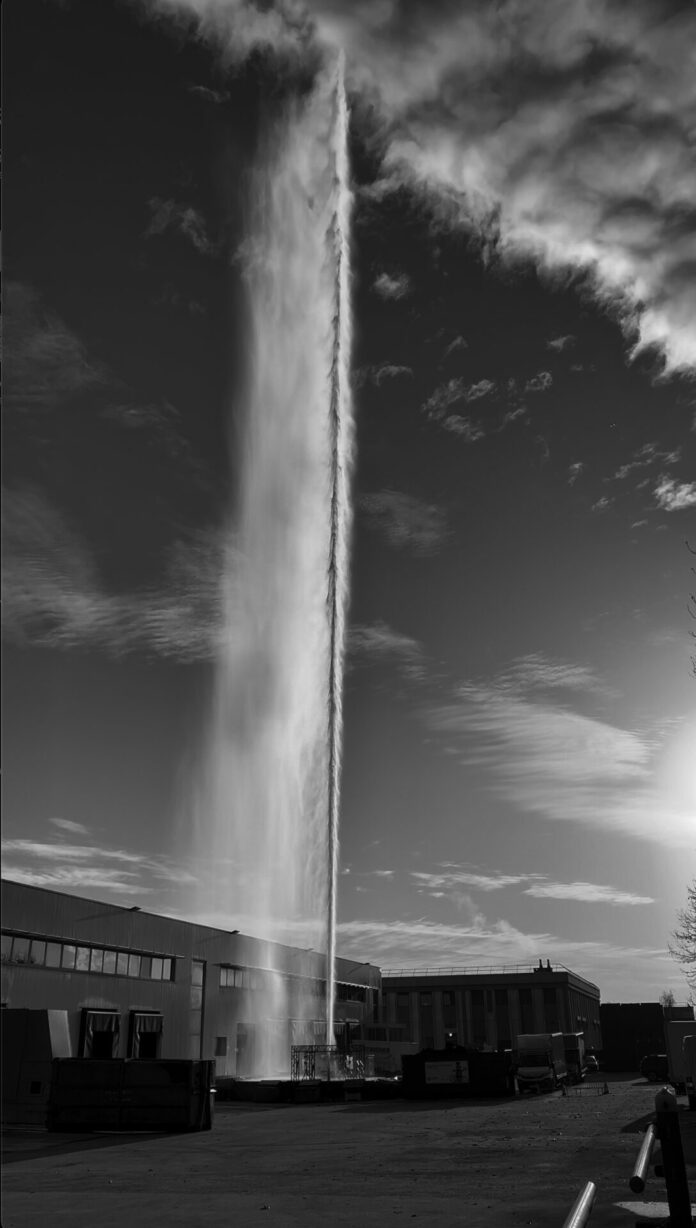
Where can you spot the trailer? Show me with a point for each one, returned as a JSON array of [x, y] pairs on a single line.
[[677, 1060], [540, 1062], [574, 1044]]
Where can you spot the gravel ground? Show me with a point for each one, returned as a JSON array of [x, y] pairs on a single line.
[[492, 1163]]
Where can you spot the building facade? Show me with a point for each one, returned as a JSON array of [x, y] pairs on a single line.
[[135, 984], [487, 1008]]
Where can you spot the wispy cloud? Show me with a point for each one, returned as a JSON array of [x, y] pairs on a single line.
[[673, 496], [574, 472], [68, 866], [170, 215], [44, 362], [547, 759], [586, 893], [70, 826], [380, 642], [406, 942], [53, 595], [389, 371], [448, 878], [392, 285], [541, 382], [559, 344], [406, 521]]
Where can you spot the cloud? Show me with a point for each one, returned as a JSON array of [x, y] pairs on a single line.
[[546, 759], [406, 521], [44, 362], [378, 641], [673, 496], [183, 219], [54, 597], [392, 286], [456, 346], [483, 388], [424, 942], [643, 457], [387, 371], [587, 893], [453, 876], [602, 504], [561, 136], [67, 867], [559, 344], [449, 877], [535, 671], [73, 829], [540, 382], [574, 472], [208, 95]]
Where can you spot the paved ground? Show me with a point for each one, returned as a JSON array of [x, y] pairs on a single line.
[[484, 1163]]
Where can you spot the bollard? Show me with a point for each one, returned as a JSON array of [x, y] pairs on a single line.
[[582, 1207], [637, 1181], [669, 1134]]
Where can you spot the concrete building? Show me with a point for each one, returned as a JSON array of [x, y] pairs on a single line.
[[489, 1007], [135, 984]]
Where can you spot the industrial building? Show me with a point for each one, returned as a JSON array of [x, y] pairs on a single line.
[[632, 1030], [486, 1008], [132, 984]]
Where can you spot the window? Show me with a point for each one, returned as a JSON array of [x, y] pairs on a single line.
[[20, 951], [53, 953], [447, 998], [99, 1034], [221, 1046], [144, 1035]]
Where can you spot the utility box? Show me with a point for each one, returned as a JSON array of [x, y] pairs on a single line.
[[457, 1072], [31, 1039], [131, 1095]]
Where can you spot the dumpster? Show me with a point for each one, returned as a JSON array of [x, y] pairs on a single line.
[[121, 1094]]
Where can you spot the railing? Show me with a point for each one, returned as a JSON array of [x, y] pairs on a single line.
[[503, 969], [642, 1164], [673, 1169], [581, 1209], [326, 1062]]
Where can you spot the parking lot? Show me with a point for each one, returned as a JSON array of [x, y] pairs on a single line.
[[493, 1163]]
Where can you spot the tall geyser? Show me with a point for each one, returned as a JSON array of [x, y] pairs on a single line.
[[268, 794]]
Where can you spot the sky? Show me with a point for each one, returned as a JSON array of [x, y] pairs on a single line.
[[520, 697]]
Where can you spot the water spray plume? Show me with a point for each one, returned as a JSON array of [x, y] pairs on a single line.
[[268, 793]]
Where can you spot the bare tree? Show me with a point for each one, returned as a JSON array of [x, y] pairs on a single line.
[[666, 998], [683, 945]]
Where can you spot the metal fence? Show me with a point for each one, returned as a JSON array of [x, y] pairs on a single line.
[[326, 1062]]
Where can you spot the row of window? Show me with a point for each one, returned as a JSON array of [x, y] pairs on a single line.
[[256, 978], [46, 953]]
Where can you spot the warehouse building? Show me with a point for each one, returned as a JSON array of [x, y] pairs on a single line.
[[132, 984], [486, 1008]]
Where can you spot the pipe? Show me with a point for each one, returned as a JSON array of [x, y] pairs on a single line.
[[581, 1209], [637, 1182]]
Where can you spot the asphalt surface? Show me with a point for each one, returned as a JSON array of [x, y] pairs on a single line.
[[487, 1163]]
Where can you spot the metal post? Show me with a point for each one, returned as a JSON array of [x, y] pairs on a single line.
[[669, 1134], [582, 1207], [637, 1181]]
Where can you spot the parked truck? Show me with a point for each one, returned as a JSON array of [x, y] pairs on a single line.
[[540, 1062], [574, 1044], [677, 1061]]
